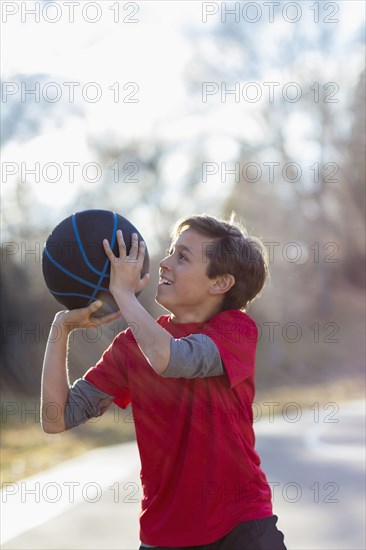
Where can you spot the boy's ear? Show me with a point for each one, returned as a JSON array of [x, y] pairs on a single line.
[[222, 284]]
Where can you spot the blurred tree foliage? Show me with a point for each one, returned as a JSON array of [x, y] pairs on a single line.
[[324, 215]]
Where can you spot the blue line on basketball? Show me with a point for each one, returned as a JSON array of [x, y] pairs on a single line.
[[74, 263], [78, 240], [67, 272], [107, 262]]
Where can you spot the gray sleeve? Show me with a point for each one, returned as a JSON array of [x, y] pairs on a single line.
[[84, 401], [195, 356]]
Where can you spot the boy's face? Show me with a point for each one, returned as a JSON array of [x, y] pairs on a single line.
[[184, 288]]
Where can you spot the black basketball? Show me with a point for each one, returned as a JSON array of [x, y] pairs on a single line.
[[75, 266]]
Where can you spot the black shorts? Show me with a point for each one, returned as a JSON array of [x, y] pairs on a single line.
[[258, 534]]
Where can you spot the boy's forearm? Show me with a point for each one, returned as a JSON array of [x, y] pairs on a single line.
[[153, 340], [55, 383]]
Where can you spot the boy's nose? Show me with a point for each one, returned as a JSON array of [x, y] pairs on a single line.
[[164, 264]]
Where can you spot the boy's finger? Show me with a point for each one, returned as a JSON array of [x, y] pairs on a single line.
[[121, 244], [134, 246], [94, 306], [142, 250], [108, 250]]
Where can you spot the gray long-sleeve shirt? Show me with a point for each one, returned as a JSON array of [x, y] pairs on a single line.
[[194, 356]]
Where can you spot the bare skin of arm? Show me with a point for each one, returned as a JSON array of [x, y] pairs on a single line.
[[153, 340], [55, 380]]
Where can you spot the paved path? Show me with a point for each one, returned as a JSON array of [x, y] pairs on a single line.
[[317, 468], [314, 459]]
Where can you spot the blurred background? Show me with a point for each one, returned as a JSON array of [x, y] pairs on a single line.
[[157, 110]]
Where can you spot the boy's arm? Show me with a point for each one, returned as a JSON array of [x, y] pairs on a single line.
[[153, 340], [194, 356], [85, 401], [55, 381]]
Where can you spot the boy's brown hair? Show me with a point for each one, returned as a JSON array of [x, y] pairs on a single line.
[[234, 252]]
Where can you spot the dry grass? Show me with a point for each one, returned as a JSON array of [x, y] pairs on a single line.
[[26, 449], [337, 391]]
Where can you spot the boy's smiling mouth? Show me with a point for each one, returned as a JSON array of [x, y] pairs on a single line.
[[164, 281]]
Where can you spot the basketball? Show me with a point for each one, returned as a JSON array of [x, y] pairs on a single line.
[[74, 264]]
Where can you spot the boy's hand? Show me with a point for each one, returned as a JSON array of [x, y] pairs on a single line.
[[126, 269], [82, 318]]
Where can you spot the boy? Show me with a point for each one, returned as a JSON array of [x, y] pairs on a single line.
[[190, 379]]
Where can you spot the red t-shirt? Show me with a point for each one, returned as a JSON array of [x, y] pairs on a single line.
[[200, 473]]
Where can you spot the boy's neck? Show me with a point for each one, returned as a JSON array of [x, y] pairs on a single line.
[[186, 317]]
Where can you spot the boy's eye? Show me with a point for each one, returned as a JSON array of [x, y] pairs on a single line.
[[171, 251]]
